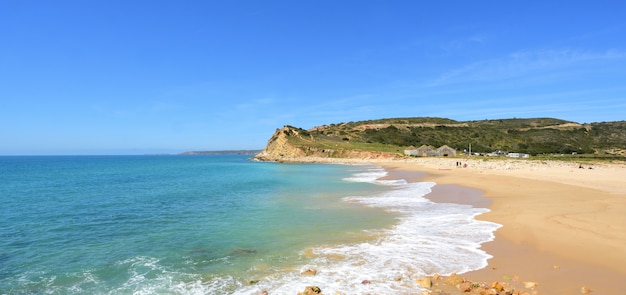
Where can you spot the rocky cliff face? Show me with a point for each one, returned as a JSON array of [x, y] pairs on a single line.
[[280, 148]]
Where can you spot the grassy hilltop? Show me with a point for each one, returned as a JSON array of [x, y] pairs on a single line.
[[533, 136]]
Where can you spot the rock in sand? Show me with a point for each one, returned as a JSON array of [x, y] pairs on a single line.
[[424, 282], [454, 279], [497, 286], [311, 290], [309, 272]]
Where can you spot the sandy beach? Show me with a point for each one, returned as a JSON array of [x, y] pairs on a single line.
[[564, 227], [564, 224]]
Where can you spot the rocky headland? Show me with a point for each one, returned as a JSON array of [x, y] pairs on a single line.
[[288, 144]]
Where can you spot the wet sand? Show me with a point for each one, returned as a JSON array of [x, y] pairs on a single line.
[[563, 227]]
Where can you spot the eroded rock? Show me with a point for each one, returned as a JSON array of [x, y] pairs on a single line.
[[497, 286], [424, 282], [454, 280], [311, 290]]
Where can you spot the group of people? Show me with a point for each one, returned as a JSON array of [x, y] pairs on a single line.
[[460, 164]]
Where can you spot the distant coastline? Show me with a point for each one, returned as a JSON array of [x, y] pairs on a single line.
[[227, 152]]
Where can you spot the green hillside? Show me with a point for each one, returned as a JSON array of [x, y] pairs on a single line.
[[533, 136]]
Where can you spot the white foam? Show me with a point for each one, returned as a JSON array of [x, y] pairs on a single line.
[[429, 238], [371, 175], [149, 276]]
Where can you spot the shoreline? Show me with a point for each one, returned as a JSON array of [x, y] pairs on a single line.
[[563, 227]]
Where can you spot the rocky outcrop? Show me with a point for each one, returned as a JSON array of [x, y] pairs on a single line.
[[279, 146], [311, 290], [291, 144], [425, 282]]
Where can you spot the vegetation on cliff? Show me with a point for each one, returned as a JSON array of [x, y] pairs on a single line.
[[386, 137]]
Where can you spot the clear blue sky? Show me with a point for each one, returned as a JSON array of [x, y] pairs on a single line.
[[134, 77]]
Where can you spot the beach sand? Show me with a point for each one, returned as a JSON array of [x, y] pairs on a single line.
[[563, 227]]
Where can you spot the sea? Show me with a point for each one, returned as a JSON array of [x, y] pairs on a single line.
[[223, 224]]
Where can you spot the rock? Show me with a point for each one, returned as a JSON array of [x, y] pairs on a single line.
[[311, 290], [366, 282], [530, 285], [454, 280], [465, 287], [436, 277], [497, 286], [424, 282], [309, 272]]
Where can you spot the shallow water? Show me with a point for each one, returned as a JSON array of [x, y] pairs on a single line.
[[214, 224]]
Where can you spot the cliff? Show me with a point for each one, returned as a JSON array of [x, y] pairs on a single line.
[[278, 146], [291, 144]]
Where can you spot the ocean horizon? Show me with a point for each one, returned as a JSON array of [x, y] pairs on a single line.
[[223, 224]]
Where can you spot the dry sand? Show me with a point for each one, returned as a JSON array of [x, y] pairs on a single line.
[[563, 227]]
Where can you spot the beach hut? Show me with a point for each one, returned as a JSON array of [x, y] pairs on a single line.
[[425, 151], [445, 151], [411, 151]]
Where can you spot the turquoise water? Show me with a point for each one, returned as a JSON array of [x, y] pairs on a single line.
[[122, 224], [222, 225]]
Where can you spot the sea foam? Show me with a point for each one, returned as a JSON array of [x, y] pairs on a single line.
[[429, 238]]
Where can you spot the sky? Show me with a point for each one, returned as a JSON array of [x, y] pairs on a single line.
[[147, 77]]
